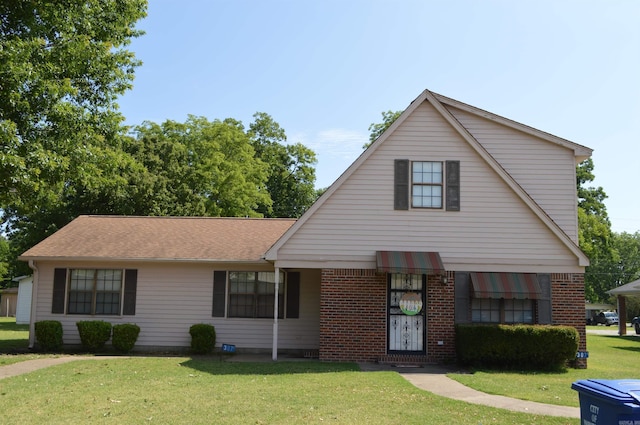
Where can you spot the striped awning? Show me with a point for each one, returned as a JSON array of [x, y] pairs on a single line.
[[409, 262], [505, 285]]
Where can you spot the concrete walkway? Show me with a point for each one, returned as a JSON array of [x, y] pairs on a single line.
[[429, 378], [435, 380]]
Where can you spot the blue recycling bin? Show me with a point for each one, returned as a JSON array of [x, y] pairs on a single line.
[[609, 402]]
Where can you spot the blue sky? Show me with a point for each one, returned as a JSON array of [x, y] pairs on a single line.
[[325, 70]]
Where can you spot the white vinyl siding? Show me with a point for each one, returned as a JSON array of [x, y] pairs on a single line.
[[494, 227], [543, 169], [172, 297]]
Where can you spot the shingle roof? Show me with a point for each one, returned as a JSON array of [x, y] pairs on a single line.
[[162, 238]]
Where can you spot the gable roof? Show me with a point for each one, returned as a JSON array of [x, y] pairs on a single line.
[[631, 288], [440, 103], [200, 239]]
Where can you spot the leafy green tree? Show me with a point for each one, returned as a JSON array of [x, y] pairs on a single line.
[[376, 129], [198, 168], [291, 169], [63, 65], [628, 247], [4, 261], [595, 236]]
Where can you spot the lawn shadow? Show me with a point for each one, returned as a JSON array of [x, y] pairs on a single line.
[[216, 366]]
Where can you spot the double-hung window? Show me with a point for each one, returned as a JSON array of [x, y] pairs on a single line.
[[95, 291], [426, 184], [491, 310], [252, 294]]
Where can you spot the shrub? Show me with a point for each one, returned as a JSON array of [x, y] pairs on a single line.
[[94, 334], [125, 336], [532, 347], [49, 335], [203, 338]]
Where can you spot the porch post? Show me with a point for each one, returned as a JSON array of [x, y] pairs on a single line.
[[622, 315], [274, 353]]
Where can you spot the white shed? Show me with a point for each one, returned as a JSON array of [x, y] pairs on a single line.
[[23, 309]]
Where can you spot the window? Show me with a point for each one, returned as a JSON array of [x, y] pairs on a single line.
[[491, 310], [251, 294], [426, 184], [95, 291]]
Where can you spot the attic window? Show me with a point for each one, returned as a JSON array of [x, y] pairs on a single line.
[[429, 184], [426, 184]]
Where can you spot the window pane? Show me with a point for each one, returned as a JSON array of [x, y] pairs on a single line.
[[485, 310], [79, 302], [108, 303]]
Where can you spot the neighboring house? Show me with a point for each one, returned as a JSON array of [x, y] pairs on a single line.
[[8, 302], [23, 308], [631, 289], [454, 215]]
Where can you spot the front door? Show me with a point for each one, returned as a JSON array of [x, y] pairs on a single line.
[[406, 308]]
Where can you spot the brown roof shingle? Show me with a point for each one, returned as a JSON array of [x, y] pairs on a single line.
[[162, 238]]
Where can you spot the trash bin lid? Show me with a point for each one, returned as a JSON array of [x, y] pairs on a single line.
[[614, 390]]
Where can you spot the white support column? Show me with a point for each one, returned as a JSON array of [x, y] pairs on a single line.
[[274, 353]]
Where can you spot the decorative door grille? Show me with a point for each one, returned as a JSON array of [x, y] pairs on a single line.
[[406, 313]]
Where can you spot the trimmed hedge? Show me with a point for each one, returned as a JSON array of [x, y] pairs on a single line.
[[203, 338], [49, 335], [529, 347], [125, 336], [94, 334]]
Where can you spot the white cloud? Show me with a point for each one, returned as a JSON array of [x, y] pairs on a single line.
[[336, 149]]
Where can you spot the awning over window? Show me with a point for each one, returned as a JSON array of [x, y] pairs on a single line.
[[505, 285], [409, 262]]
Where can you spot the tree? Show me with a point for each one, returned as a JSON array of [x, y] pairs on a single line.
[[291, 173], [198, 168], [4, 261], [376, 130], [63, 65], [595, 236]]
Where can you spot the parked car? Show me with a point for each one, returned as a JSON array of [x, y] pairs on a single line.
[[635, 322], [607, 318]]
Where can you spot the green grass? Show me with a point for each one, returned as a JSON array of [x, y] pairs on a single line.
[[204, 391], [207, 390], [610, 357], [14, 342]]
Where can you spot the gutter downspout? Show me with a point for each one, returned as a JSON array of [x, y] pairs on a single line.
[[274, 353], [34, 297]]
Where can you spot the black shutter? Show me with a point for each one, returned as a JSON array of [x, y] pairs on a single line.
[[453, 185], [219, 289], [401, 184], [293, 295], [59, 288], [130, 292], [545, 315], [462, 287]]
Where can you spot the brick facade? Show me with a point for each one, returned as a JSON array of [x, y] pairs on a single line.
[[353, 315], [567, 303]]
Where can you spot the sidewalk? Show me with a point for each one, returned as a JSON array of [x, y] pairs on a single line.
[[428, 378], [435, 380]]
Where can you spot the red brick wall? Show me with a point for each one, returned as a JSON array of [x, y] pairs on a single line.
[[567, 303], [441, 347], [352, 315]]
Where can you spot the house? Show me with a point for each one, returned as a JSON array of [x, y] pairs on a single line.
[[23, 307], [631, 289], [8, 302], [454, 215]]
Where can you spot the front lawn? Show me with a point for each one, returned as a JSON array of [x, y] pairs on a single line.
[[205, 390], [610, 357]]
